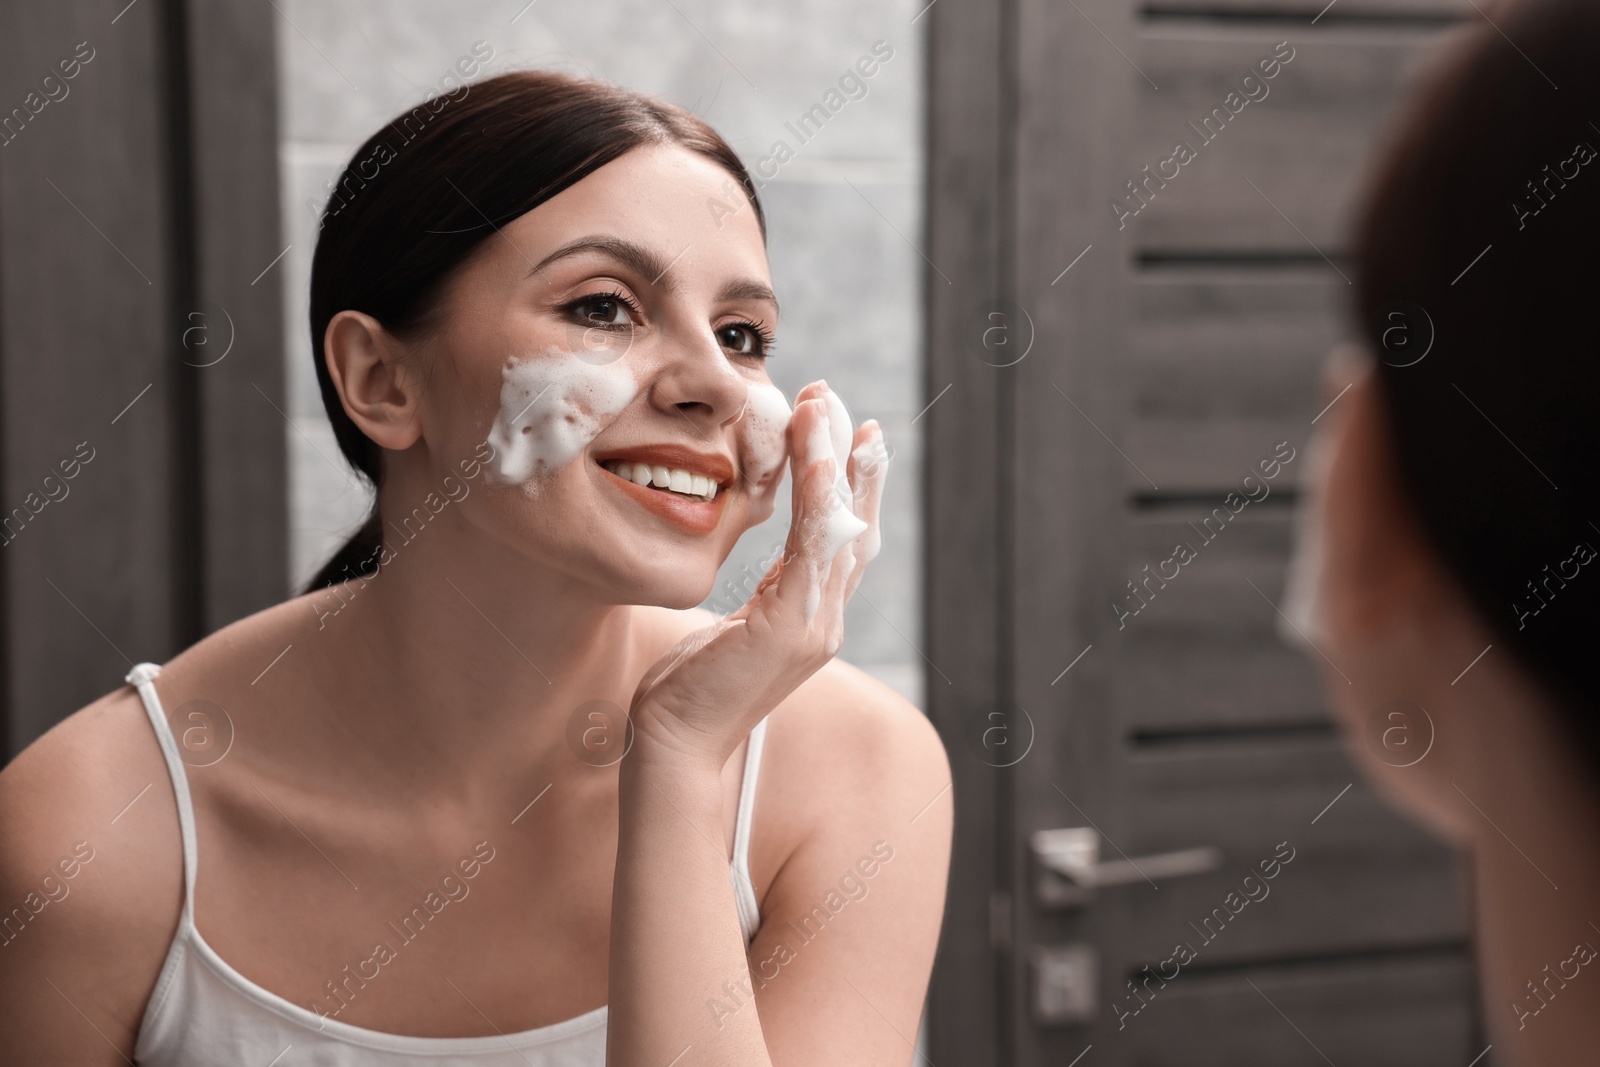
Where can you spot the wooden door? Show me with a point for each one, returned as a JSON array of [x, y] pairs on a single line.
[[1130, 333]]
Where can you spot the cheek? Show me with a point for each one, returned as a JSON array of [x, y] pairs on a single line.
[[551, 406], [762, 437]]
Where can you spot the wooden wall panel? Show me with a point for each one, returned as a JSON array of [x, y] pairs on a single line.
[[1341, 83], [1221, 366], [122, 212], [1204, 652], [85, 292], [1360, 879], [1399, 1012]]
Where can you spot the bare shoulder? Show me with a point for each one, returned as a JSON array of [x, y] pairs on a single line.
[[840, 722], [852, 883], [848, 762], [845, 756], [843, 732], [90, 879], [856, 740]]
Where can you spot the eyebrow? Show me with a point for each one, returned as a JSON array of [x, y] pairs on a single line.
[[748, 291], [647, 264]]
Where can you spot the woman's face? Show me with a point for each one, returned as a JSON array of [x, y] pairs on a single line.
[[612, 338], [1378, 616]]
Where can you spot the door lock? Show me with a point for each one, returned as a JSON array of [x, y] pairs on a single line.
[[1065, 978]]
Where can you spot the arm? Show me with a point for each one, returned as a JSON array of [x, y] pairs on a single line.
[[89, 904], [851, 920], [675, 942], [839, 969], [674, 928]]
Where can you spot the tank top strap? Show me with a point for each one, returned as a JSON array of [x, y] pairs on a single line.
[[747, 795], [744, 891], [142, 677]]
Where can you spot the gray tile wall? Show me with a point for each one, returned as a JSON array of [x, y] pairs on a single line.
[[844, 213]]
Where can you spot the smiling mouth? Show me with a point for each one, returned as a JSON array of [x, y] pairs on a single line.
[[673, 480]]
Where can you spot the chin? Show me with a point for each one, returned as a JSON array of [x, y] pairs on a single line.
[[1423, 798], [1421, 791], [682, 602], [678, 594]]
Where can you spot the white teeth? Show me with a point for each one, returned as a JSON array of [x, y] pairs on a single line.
[[674, 479]]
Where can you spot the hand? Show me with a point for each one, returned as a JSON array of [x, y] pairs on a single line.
[[703, 697]]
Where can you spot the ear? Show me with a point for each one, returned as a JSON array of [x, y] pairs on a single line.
[[1380, 566], [369, 368]]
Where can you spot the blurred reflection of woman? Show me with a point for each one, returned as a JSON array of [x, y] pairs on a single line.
[[1448, 564]]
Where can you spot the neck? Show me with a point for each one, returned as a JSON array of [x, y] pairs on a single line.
[[1537, 886], [1538, 941], [464, 658]]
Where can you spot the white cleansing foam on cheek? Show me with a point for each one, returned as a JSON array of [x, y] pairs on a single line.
[[551, 406], [766, 418]]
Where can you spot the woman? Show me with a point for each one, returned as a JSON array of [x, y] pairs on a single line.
[[542, 309], [1456, 589]]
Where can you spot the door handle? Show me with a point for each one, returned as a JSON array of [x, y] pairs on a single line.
[[1068, 868]]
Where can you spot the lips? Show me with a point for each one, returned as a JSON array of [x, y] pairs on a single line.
[[672, 479], [690, 478], [711, 465]]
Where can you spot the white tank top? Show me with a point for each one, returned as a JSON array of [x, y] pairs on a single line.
[[203, 1012]]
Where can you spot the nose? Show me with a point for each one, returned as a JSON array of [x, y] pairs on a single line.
[[696, 381]]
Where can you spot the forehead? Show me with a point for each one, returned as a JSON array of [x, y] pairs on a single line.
[[680, 204]]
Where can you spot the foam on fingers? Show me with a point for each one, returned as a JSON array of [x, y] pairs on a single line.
[[871, 463], [843, 525]]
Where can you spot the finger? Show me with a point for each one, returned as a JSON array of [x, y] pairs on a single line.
[[814, 472], [850, 533], [839, 581], [811, 391], [869, 470], [869, 462], [866, 473], [685, 647], [768, 580], [796, 589], [796, 436]]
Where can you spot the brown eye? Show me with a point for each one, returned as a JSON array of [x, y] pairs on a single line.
[[609, 311], [745, 339]]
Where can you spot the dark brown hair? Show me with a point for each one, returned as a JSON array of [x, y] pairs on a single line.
[[1479, 232], [429, 187]]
